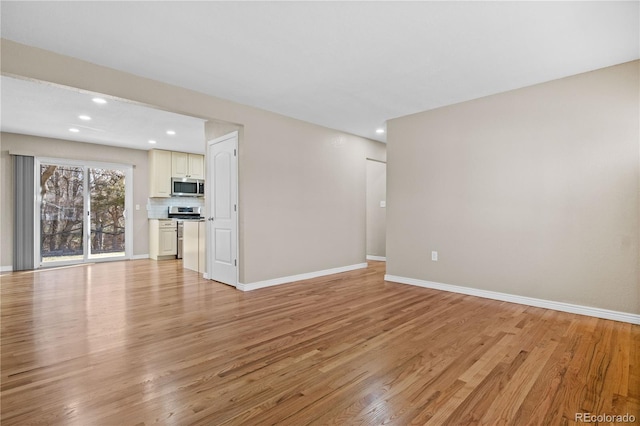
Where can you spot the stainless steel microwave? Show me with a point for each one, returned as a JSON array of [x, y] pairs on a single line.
[[184, 187]]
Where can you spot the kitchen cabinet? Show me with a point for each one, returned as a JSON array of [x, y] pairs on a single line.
[[159, 173], [185, 165], [163, 239], [196, 166], [163, 165], [194, 245]]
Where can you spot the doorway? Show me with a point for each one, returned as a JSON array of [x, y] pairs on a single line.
[[81, 212], [376, 210]]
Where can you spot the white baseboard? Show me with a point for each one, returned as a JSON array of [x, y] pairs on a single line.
[[205, 276], [6, 268], [530, 301], [378, 258], [299, 277]]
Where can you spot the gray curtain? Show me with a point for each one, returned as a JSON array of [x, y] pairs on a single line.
[[23, 226]]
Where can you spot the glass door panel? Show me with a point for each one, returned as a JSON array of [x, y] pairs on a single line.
[[61, 213], [107, 214], [82, 212]]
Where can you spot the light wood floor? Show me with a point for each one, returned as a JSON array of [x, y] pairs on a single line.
[[144, 342]]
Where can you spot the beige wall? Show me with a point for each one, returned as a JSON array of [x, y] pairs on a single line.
[[302, 186], [376, 215], [56, 148], [303, 196], [215, 129], [533, 192]]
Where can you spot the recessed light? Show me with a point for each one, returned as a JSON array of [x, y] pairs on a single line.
[[84, 117], [379, 131], [99, 101], [152, 141], [171, 132], [74, 130]]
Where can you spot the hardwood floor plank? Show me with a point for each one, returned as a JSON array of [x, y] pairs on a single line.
[[144, 342]]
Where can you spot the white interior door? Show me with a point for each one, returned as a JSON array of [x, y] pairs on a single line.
[[222, 209]]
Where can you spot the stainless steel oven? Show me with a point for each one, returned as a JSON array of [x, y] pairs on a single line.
[[181, 214], [180, 239]]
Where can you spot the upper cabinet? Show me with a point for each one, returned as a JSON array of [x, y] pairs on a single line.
[[196, 166], [159, 173], [179, 164], [163, 165], [185, 165]]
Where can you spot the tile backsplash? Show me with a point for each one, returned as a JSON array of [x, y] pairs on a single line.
[[157, 208]]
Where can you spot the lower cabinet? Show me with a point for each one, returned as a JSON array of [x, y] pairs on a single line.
[[163, 239], [193, 243]]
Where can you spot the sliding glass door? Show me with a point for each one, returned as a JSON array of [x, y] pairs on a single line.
[[83, 212], [107, 213], [61, 213]]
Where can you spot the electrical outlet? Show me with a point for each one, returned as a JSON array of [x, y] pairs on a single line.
[[137, 206], [434, 256]]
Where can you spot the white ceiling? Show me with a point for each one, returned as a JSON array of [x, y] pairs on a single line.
[[345, 65], [49, 110]]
